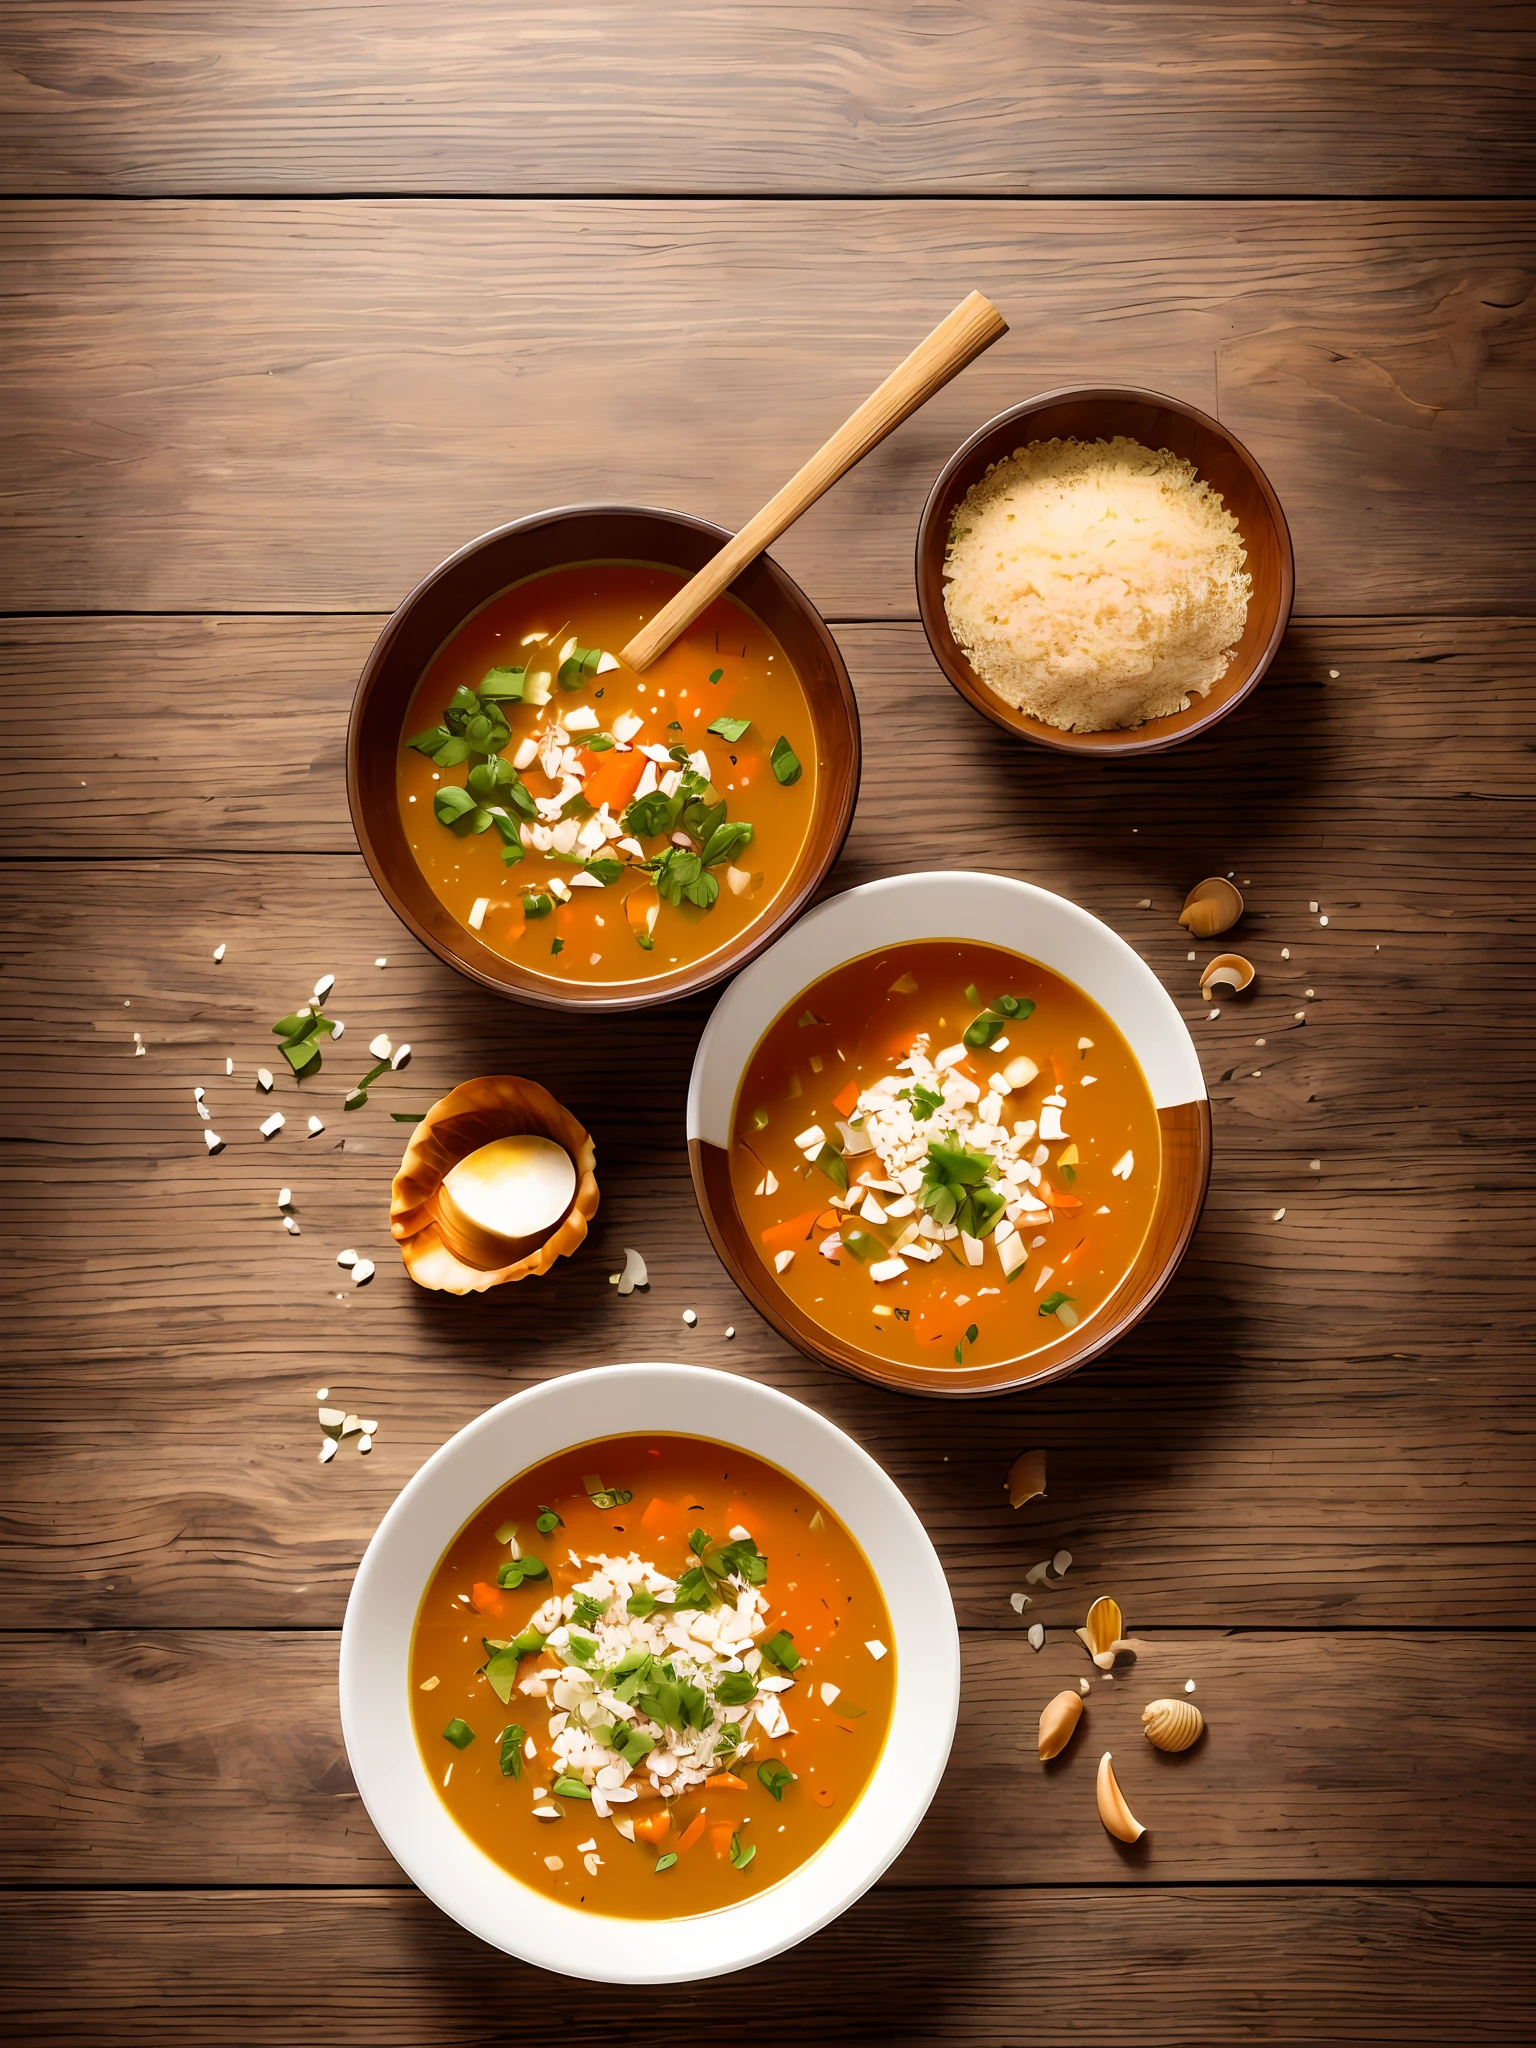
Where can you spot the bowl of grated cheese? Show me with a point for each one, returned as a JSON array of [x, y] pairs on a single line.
[[1104, 571]]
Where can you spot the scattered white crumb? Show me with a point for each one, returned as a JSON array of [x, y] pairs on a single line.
[[273, 1124], [1061, 1563], [218, 951], [1285, 953], [315, 1127], [365, 1442], [730, 1329], [290, 1224], [875, 1648], [348, 1258], [634, 1274], [1278, 1217], [830, 1694], [327, 1450], [229, 1067], [322, 1393], [324, 986], [362, 1272], [1214, 1015], [1018, 1602], [1301, 1016], [1082, 1685], [1189, 1685], [398, 1057], [429, 1685], [1037, 1635], [381, 961], [1144, 903], [1314, 1166], [690, 1318], [213, 1141], [782, 1261], [1322, 920], [264, 1080], [285, 1198], [381, 1047]]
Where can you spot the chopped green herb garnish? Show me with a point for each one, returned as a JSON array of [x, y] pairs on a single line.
[[641, 1602], [715, 674], [780, 1649], [924, 1101], [512, 1739], [557, 946], [588, 1609], [579, 667], [995, 1018], [666, 1862], [570, 1788], [784, 761], [973, 997], [504, 1658], [1068, 1174], [774, 1776], [862, 1245], [1052, 1302], [459, 1733], [407, 1116], [605, 1497], [601, 743], [741, 1857], [548, 1522], [954, 1189], [536, 903], [735, 1689], [516, 1569], [833, 1165], [970, 1335], [729, 729]]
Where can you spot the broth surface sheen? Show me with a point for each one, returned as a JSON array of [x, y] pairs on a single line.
[[725, 1840], [727, 665], [834, 1174]]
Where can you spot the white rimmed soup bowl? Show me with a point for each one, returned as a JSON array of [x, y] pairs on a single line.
[[997, 911], [402, 1799]]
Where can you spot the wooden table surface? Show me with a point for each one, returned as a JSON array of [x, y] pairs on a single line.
[[296, 299]]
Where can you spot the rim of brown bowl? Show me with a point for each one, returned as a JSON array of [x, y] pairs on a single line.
[[1099, 411], [463, 584], [998, 910]]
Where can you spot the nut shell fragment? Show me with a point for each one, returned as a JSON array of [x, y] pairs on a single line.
[[1103, 1632], [1026, 1478], [1229, 971], [1113, 1811], [1212, 906], [472, 1115], [1058, 1718], [1172, 1724]]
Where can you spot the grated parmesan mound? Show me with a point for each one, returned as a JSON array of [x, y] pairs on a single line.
[[1095, 585]]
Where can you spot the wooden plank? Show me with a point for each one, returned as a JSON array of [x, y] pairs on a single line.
[[703, 96], [1306, 1428], [228, 734], [279, 405], [205, 1757], [1150, 1967]]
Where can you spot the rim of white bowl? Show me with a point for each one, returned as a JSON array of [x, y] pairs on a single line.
[[403, 1803], [957, 903]]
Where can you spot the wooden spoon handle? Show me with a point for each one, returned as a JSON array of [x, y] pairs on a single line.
[[973, 326]]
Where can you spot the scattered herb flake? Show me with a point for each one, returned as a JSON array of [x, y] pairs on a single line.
[[784, 762], [512, 1739], [459, 1733]]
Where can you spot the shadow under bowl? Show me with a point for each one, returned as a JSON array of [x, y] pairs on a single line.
[[442, 603], [1093, 413]]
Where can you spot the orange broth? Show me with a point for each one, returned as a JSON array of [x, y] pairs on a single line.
[[727, 1838], [1077, 1224], [726, 665]]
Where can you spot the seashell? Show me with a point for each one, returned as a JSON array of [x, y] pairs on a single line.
[[1058, 1718], [1026, 1478], [1229, 971], [471, 1115], [1172, 1724], [1212, 906], [1113, 1811], [1103, 1632]]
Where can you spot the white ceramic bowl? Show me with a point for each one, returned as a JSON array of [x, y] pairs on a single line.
[[401, 1799], [1000, 912]]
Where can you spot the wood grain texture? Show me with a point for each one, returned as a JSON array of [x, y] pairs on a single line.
[[224, 406], [806, 96], [218, 734], [196, 1756], [1163, 1967]]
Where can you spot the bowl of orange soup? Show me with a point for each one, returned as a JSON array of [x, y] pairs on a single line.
[[950, 1134], [648, 1674], [567, 830]]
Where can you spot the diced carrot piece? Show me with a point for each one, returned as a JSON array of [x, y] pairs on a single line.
[[655, 1827], [846, 1100], [724, 1781], [823, 1795], [487, 1599], [827, 1220], [612, 779], [1055, 1198], [789, 1235], [720, 1840], [691, 1834], [663, 1518]]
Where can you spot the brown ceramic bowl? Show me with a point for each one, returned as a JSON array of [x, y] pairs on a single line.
[[435, 610], [1023, 919], [1094, 413]]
